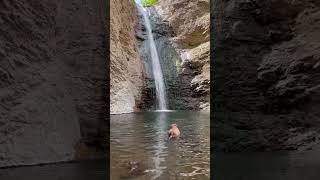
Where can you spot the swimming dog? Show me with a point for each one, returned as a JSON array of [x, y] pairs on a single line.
[[174, 131]]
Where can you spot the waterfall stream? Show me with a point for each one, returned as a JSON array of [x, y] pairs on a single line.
[[156, 67]]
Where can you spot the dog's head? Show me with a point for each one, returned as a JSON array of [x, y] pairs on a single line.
[[173, 125]]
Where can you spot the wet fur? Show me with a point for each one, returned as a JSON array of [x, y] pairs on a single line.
[[174, 132]]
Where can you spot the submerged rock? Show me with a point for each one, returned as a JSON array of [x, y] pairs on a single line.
[[133, 169]]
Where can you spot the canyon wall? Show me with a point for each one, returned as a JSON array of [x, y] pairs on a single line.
[[168, 60], [266, 74], [126, 68], [188, 26], [52, 79]]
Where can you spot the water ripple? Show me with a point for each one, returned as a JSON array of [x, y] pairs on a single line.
[[142, 139]]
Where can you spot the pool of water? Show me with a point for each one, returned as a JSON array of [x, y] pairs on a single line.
[[267, 165], [140, 149], [85, 170]]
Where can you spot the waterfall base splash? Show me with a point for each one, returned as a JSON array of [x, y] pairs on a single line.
[[164, 110]]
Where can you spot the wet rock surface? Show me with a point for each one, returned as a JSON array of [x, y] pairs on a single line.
[[135, 168], [181, 33], [132, 170], [265, 77], [168, 60]]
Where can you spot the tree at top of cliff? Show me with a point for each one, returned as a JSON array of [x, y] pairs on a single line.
[[149, 2]]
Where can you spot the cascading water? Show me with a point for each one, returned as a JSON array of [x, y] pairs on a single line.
[[156, 67]]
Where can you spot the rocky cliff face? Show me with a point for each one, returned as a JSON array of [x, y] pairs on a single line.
[[266, 77], [189, 28], [168, 60], [126, 68], [52, 79]]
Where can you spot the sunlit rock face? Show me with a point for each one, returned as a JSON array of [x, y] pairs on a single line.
[[189, 29], [266, 77], [126, 68], [52, 79]]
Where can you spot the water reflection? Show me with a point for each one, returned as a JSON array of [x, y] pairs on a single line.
[[160, 148], [267, 165], [92, 169]]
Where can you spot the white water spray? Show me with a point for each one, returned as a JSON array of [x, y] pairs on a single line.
[[156, 67]]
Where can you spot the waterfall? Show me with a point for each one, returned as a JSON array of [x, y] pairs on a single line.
[[156, 67]]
